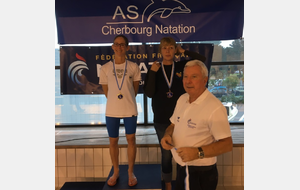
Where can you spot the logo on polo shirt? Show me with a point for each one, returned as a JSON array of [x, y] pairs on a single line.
[[191, 124]]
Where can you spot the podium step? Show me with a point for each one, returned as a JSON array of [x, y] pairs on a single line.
[[83, 186], [148, 176]]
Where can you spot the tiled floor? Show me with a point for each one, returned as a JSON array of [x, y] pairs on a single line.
[[97, 136]]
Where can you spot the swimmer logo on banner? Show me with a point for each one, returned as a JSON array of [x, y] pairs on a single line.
[[91, 21]]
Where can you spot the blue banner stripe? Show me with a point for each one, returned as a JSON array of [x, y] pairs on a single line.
[[84, 22]]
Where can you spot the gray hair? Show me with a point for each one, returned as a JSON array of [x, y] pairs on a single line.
[[202, 66]]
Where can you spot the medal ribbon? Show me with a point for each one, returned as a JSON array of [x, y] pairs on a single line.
[[165, 75], [123, 75]]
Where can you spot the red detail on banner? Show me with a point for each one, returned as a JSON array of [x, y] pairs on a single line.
[[80, 58]]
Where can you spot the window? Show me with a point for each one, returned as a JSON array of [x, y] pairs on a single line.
[[226, 82], [228, 86], [84, 109]]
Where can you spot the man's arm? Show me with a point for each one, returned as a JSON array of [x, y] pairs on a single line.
[[219, 147], [214, 149]]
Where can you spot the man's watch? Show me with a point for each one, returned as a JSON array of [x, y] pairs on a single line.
[[200, 153]]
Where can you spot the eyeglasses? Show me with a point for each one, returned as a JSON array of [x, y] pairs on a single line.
[[121, 45]]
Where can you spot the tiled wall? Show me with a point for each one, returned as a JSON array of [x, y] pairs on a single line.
[[94, 164]]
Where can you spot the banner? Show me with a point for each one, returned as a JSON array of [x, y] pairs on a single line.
[[96, 21], [80, 65]]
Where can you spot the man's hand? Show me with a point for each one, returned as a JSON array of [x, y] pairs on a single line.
[[166, 142], [188, 153]]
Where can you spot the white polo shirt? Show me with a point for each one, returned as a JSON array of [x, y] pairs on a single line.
[[200, 123], [125, 107]]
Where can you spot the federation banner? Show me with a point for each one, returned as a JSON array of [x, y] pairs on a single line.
[[80, 65], [98, 21]]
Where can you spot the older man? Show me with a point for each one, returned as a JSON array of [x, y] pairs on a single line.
[[198, 133]]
